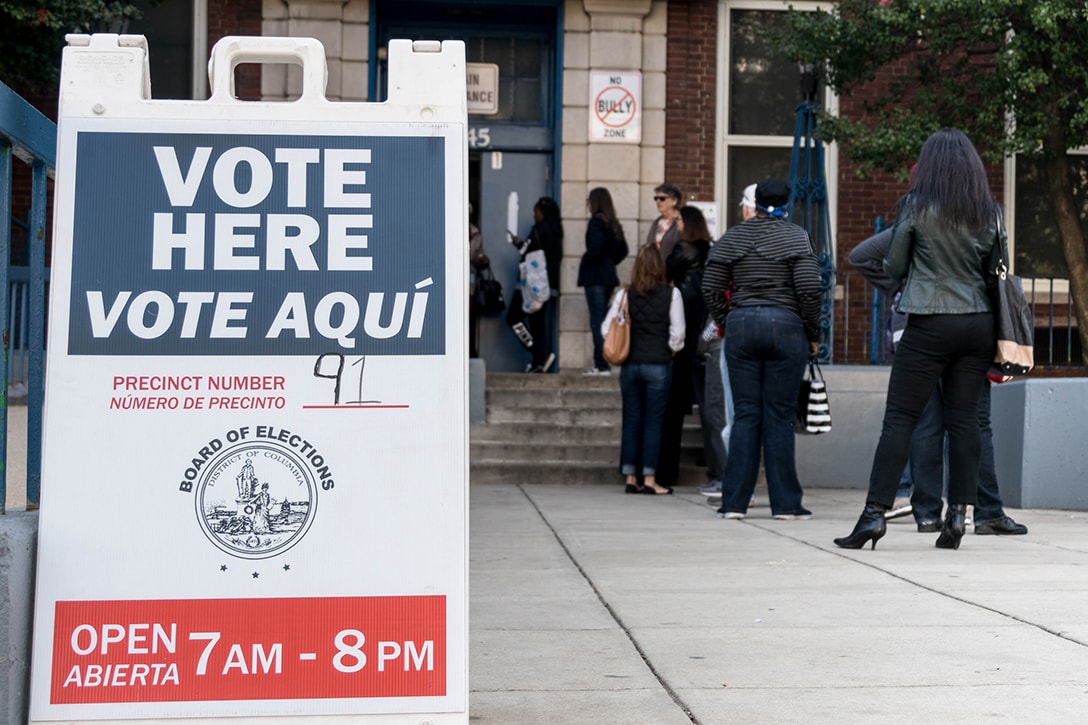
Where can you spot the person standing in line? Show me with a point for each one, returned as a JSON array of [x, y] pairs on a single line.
[[923, 475], [945, 232], [477, 260], [684, 270], [772, 325], [547, 236], [606, 246], [664, 232], [718, 395], [655, 311]]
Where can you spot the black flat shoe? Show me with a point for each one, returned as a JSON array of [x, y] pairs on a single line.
[[632, 488]]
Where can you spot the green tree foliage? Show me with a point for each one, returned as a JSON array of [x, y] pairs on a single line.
[[1012, 74], [32, 36]]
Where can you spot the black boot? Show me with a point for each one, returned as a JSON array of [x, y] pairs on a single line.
[[870, 527], [955, 523]]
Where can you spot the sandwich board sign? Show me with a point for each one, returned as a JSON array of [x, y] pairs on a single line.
[[255, 434]]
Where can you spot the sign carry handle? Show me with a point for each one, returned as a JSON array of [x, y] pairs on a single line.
[[231, 51]]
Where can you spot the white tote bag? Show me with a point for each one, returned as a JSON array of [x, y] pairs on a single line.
[[533, 279]]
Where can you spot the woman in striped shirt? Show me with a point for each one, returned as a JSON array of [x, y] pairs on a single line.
[[772, 324]]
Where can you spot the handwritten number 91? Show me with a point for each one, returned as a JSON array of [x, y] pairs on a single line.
[[330, 366]]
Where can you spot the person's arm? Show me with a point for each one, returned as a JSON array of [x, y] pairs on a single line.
[[868, 259], [613, 309], [900, 249], [809, 292], [596, 239], [716, 279], [677, 326]]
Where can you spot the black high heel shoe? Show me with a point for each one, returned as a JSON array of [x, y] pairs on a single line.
[[870, 527], [955, 523]]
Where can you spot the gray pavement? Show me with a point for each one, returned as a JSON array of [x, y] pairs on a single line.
[[591, 606]]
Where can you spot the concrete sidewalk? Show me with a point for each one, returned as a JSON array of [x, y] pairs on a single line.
[[591, 606]]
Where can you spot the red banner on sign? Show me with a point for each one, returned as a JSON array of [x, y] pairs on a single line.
[[249, 649]]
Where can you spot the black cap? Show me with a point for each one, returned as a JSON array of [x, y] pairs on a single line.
[[772, 193]]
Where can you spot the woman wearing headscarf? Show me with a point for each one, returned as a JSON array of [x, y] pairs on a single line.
[[772, 324]]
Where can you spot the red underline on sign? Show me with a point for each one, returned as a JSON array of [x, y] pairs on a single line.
[[349, 407]]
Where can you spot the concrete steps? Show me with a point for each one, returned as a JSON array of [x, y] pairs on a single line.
[[561, 428]]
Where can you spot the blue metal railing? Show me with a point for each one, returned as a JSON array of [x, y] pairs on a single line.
[[1057, 344], [27, 135]]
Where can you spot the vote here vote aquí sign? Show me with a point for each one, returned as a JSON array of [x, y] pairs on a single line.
[[255, 444], [615, 106]]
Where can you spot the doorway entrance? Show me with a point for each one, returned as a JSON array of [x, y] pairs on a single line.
[[509, 186]]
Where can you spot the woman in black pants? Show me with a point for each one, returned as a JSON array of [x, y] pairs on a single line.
[[947, 228]]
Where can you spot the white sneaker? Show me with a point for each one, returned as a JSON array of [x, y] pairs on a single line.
[[901, 507], [969, 520], [596, 371], [731, 515], [792, 517]]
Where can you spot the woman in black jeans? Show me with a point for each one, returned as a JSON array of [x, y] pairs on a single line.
[[944, 236]]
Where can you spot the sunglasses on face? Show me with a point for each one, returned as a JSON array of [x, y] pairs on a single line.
[[660, 198]]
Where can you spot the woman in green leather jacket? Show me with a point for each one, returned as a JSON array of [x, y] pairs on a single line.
[[947, 227]]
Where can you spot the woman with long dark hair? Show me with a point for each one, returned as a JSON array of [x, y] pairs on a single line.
[[684, 270], [547, 236], [656, 315], [946, 230], [606, 247]]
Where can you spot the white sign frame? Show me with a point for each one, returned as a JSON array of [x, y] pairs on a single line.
[[615, 106], [377, 467], [482, 78]]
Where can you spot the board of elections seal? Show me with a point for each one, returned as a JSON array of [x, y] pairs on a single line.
[[255, 500]]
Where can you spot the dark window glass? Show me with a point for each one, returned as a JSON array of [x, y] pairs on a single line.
[[747, 165], [764, 86], [521, 67], [1038, 246], [168, 27]]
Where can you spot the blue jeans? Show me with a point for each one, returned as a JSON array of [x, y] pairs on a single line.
[[714, 412], [766, 350], [989, 505], [644, 388], [597, 299]]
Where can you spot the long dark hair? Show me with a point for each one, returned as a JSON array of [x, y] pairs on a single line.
[[695, 228], [649, 271], [600, 204], [949, 185], [549, 213]]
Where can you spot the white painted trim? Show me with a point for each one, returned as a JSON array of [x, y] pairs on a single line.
[[200, 50], [723, 140]]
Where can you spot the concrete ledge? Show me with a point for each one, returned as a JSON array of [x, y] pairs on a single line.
[[477, 390], [843, 457], [1039, 443], [18, 550]]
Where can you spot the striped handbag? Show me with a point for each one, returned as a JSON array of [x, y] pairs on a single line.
[[813, 410]]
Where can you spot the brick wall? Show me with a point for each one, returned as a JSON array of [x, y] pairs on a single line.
[[237, 17], [690, 95]]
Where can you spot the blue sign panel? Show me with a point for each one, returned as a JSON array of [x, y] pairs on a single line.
[[215, 244]]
